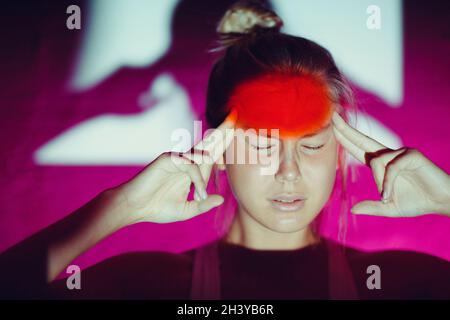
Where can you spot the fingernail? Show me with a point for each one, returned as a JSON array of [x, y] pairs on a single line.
[[384, 197], [219, 201], [336, 116], [333, 117]]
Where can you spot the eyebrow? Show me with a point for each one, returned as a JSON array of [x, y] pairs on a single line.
[[305, 136], [317, 132]]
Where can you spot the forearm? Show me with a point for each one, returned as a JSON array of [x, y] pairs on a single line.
[[27, 266], [90, 224]]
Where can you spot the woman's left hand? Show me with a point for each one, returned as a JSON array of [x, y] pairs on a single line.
[[409, 183]]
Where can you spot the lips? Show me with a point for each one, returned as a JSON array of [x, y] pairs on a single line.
[[287, 202]]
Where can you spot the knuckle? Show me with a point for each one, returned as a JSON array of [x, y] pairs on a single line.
[[392, 168], [163, 157], [208, 158], [414, 151], [199, 151], [194, 167], [172, 155], [377, 163], [177, 158]]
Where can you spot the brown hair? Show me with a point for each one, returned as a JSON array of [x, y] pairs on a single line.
[[250, 36]]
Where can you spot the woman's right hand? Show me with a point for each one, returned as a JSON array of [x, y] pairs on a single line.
[[159, 193]]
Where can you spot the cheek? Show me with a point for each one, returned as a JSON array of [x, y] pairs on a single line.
[[246, 184], [320, 169], [245, 177]]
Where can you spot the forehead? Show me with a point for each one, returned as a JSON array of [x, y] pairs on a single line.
[[295, 105], [317, 132]]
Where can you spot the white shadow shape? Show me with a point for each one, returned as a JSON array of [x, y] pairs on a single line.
[[371, 58], [374, 129], [121, 33], [125, 140]]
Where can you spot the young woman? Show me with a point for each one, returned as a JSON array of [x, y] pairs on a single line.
[[271, 249]]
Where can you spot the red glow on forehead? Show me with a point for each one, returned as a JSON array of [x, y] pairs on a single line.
[[296, 105]]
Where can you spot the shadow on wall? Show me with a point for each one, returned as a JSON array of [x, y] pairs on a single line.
[[167, 90]]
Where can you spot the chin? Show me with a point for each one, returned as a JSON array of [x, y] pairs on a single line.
[[287, 228], [288, 223]]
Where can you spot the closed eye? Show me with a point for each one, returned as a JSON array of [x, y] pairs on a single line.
[[314, 147], [263, 147]]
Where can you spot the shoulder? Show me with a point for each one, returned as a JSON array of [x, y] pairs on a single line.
[[158, 261], [134, 275], [403, 261], [401, 273]]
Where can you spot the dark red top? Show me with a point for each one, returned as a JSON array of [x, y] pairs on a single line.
[[257, 274]]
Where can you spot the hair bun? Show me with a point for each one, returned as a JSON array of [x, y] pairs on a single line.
[[247, 17]]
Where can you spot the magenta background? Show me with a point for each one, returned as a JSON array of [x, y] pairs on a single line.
[[38, 55]]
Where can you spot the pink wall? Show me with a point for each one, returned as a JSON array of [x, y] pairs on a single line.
[[35, 108]]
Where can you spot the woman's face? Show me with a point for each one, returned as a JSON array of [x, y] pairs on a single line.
[[303, 168]]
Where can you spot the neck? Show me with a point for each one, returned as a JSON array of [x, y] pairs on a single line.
[[247, 232]]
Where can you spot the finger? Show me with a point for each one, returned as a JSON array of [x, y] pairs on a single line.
[[358, 153], [378, 172], [393, 169], [374, 208], [198, 156], [194, 208], [189, 167], [378, 165], [356, 137], [214, 145], [218, 140], [355, 151]]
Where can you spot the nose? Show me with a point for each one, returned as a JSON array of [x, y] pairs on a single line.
[[288, 168]]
